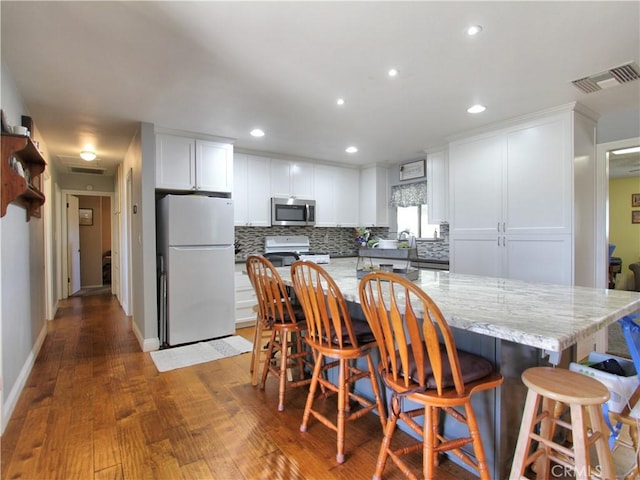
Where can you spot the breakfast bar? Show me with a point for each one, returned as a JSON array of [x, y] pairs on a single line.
[[514, 324]]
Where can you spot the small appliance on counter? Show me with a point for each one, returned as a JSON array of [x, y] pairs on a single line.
[[283, 250]]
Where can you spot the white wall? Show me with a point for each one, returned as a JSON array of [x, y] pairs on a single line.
[[22, 298]]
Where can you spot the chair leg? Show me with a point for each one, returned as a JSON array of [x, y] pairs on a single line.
[[605, 458], [255, 354], [267, 360], [343, 397], [633, 433], [376, 391], [312, 393], [284, 364], [478, 447], [429, 437], [523, 444], [386, 441]]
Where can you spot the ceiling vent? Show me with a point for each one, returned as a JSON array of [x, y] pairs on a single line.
[[92, 171], [610, 78]]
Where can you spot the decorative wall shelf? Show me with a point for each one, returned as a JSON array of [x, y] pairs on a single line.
[[22, 165]]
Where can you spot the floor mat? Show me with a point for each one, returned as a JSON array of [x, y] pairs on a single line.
[[179, 357]]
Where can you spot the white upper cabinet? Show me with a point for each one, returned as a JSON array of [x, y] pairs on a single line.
[[175, 162], [190, 164], [290, 179], [336, 195], [437, 187], [214, 166], [374, 197], [251, 190]]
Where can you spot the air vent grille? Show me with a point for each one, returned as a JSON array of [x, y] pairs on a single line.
[[625, 73], [92, 171], [586, 85], [609, 78]]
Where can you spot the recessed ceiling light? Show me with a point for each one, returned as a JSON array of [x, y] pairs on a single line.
[[340, 101], [256, 132], [474, 30], [393, 72], [624, 151], [351, 149], [87, 155], [476, 109]]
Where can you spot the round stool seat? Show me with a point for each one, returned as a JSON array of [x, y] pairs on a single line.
[[565, 386]]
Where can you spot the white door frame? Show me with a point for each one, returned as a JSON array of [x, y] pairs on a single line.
[[63, 230]]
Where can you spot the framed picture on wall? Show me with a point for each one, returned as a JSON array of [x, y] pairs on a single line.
[[85, 216], [409, 171], [635, 199], [635, 216]]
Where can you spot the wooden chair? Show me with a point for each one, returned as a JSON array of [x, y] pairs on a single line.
[[415, 366], [287, 325], [334, 335]]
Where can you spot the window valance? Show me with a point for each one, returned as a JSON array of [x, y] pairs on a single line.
[[410, 195]]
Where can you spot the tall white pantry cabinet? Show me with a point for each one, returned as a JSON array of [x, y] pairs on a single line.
[[522, 199]]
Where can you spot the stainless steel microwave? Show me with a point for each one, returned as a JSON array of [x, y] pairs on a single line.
[[293, 212]]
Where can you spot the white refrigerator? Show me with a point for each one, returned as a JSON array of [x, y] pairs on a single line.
[[196, 245]]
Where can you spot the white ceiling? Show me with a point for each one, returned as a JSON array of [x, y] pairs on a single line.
[[90, 71]]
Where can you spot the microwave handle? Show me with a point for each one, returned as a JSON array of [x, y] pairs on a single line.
[[307, 212]]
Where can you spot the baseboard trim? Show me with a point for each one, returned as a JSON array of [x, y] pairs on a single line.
[[146, 344], [12, 399]]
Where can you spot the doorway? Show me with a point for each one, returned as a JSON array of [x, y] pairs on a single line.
[[88, 241]]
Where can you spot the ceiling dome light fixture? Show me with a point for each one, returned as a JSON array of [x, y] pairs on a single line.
[[392, 72], [476, 109], [87, 155], [351, 149], [340, 101], [474, 30], [256, 132]]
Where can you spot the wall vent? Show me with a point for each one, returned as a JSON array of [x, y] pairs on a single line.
[[609, 78], [92, 171]]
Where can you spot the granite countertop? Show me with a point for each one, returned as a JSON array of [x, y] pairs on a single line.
[[545, 316]]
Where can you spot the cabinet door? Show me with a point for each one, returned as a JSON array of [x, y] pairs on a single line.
[[347, 194], [291, 179], [301, 180], [175, 162], [476, 255], [538, 178], [374, 208], [475, 182], [280, 178], [258, 192], [240, 190], [214, 166], [539, 258], [437, 188], [324, 184]]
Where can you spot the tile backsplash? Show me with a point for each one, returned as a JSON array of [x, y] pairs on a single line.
[[337, 241]]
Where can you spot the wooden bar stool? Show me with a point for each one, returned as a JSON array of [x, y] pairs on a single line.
[[584, 397]]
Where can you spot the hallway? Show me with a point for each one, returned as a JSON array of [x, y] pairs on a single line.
[[95, 407]]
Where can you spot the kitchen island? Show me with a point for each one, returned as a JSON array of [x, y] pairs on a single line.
[[514, 324]]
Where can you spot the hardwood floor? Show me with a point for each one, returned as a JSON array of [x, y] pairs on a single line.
[[95, 407]]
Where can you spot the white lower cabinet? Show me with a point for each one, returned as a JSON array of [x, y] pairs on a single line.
[[530, 258], [245, 298]]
